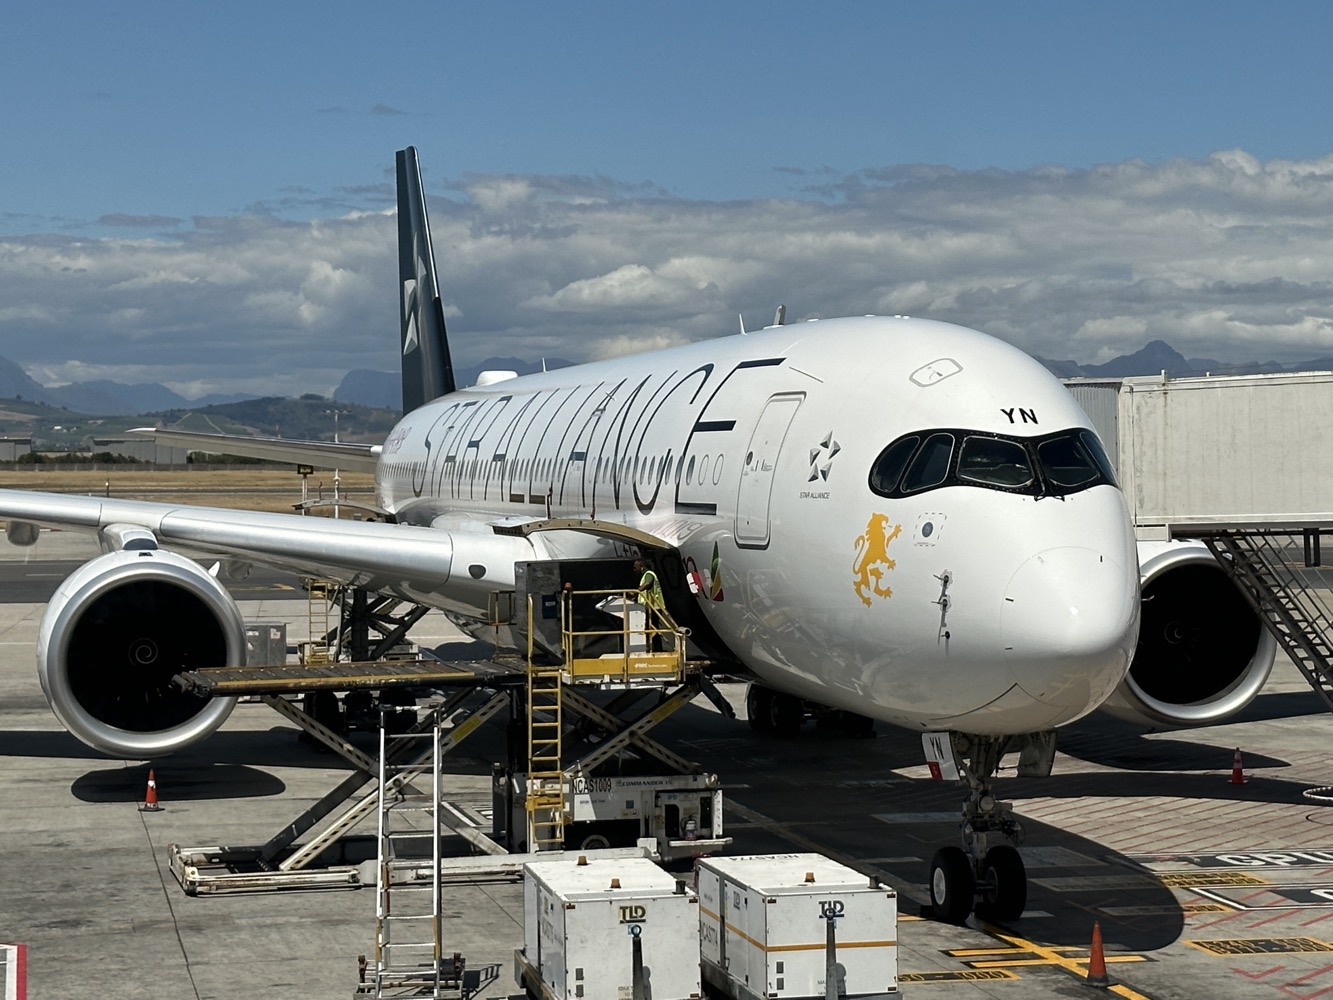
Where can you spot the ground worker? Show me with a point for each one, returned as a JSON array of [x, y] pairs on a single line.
[[654, 606]]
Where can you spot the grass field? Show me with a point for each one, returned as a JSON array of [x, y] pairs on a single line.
[[242, 488]]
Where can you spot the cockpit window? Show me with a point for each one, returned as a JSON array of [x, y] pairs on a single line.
[[888, 468], [1058, 464], [993, 461], [1072, 461], [930, 467]]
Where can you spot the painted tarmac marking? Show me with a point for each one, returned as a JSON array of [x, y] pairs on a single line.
[[1161, 911], [1208, 879], [897, 819], [1279, 897], [1262, 946], [1241, 859], [1075, 965], [958, 976]]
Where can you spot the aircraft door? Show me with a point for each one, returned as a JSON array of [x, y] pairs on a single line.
[[760, 467]]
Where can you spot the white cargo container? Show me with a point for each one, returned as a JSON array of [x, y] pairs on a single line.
[[771, 925], [583, 922]]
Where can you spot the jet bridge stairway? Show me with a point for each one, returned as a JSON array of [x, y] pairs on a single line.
[[1275, 578]]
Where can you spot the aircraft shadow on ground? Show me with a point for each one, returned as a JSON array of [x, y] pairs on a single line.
[[178, 782]]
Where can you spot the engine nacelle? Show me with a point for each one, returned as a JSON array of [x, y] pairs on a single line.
[[1203, 653], [116, 632]]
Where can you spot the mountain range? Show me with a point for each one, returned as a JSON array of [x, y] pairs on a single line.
[[382, 389], [102, 396]]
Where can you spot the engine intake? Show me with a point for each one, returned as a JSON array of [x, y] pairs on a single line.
[[1203, 653], [116, 632]]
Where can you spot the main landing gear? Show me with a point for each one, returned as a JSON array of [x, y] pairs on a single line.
[[780, 714], [986, 875]]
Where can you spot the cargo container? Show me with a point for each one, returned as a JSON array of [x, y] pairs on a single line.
[[776, 925], [592, 926]]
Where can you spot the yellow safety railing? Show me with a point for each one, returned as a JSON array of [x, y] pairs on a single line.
[[637, 658]]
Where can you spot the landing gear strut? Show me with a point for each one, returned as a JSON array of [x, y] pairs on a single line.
[[986, 875]]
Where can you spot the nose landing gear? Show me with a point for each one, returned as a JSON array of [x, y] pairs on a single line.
[[986, 875]]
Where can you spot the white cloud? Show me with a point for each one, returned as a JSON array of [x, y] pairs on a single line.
[[1227, 257]]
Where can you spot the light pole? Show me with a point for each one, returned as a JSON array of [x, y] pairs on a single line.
[[336, 414]]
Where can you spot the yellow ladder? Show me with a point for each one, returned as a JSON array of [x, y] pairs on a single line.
[[545, 800], [318, 594]]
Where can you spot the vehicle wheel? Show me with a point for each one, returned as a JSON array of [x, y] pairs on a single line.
[[785, 714], [1004, 889], [952, 885], [759, 707], [594, 842]]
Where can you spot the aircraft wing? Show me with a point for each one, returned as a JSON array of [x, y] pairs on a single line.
[[370, 554], [321, 454]]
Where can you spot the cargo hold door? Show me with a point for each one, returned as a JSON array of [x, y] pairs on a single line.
[[760, 468]]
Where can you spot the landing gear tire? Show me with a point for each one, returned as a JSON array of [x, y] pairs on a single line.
[[953, 887], [786, 713], [759, 708], [1004, 885]]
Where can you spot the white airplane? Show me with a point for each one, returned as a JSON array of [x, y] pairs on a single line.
[[893, 517]]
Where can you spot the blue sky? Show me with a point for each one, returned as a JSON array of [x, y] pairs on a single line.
[[200, 129]]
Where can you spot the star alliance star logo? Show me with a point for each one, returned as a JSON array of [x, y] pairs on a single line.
[[821, 458]]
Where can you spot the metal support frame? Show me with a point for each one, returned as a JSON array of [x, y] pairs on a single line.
[[328, 823]]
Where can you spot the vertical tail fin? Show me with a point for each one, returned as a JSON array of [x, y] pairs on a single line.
[[428, 371]]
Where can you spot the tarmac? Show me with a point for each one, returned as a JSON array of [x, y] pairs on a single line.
[[1201, 887]]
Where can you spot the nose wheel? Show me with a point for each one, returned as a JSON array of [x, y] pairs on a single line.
[[953, 887], [986, 876]]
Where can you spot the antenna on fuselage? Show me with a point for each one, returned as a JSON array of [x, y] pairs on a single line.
[[741, 317], [780, 317]]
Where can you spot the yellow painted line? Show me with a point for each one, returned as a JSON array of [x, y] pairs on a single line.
[[970, 952], [1001, 963], [1236, 947], [958, 976], [1074, 966], [1210, 879]]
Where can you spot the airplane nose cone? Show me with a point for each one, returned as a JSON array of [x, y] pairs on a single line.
[[1069, 622]]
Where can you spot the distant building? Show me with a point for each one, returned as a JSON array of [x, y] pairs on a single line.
[[12, 447], [142, 449]]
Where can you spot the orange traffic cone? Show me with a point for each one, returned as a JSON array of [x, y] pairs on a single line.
[[1237, 775], [1096, 959], [150, 797]]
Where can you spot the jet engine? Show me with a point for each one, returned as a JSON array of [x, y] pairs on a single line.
[[1203, 653], [116, 632]]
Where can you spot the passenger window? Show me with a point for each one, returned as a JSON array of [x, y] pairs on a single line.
[[931, 464], [994, 462], [888, 468]]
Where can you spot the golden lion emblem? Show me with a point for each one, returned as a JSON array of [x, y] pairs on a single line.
[[872, 558]]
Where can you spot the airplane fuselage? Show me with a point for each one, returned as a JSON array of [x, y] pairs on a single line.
[[967, 594]]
